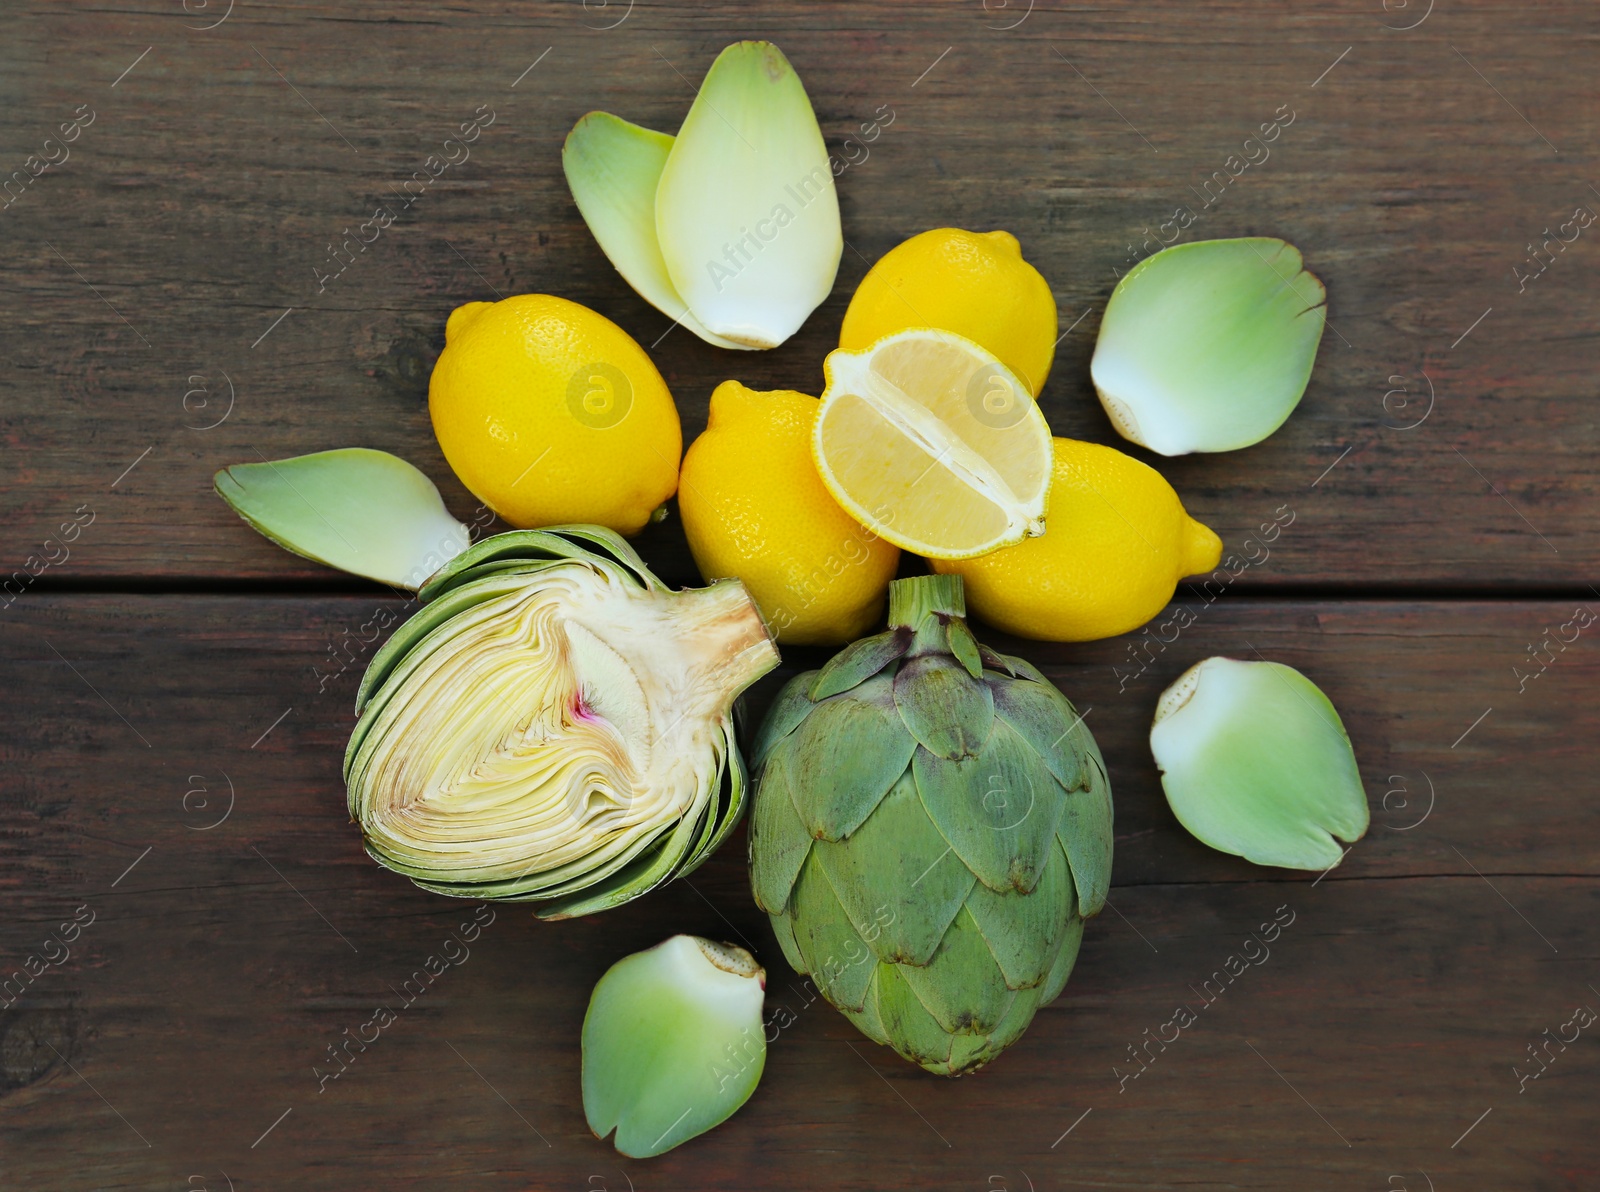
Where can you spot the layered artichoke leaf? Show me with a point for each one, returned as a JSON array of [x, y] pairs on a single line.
[[897, 879], [998, 810], [858, 662], [947, 710], [844, 758]]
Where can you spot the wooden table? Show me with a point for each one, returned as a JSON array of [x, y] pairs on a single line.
[[174, 723]]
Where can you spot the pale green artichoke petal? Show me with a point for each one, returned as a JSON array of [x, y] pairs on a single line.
[[1038, 712], [1061, 966], [779, 842], [366, 512], [858, 662], [783, 928], [613, 168], [1022, 929], [867, 1019], [998, 810], [911, 1029], [1085, 831], [843, 760], [945, 708], [962, 986], [746, 213], [964, 647], [1009, 1029], [1208, 346], [897, 878], [672, 1043], [1256, 762], [837, 958], [791, 706]]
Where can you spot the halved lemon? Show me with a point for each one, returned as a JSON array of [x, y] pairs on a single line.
[[931, 443]]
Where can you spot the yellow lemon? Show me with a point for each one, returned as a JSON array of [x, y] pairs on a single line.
[[754, 507], [1117, 544], [550, 413], [929, 441], [975, 284]]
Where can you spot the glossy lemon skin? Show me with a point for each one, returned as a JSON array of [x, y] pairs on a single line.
[[552, 414], [975, 284], [1116, 542], [754, 507]]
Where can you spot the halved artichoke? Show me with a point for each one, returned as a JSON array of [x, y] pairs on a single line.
[[554, 725]]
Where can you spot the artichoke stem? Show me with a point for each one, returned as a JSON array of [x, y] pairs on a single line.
[[736, 649], [912, 600]]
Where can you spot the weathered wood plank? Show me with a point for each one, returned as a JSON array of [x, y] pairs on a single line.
[[226, 954], [193, 211]]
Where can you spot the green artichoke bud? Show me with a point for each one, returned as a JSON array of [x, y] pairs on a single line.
[[932, 825], [672, 1043]]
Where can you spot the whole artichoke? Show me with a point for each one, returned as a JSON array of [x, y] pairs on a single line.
[[932, 825]]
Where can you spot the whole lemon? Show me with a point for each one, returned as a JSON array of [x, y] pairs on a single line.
[[1116, 542], [754, 507], [550, 413], [975, 284]]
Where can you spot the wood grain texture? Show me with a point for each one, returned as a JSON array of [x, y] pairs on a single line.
[[193, 211], [169, 763], [200, 1001]]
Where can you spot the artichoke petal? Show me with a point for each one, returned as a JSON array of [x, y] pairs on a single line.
[[783, 928], [897, 878], [947, 711], [726, 811], [1006, 1032], [1022, 929], [672, 1043], [594, 545], [366, 512], [996, 661], [1208, 346], [1061, 966], [836, 957], [1038, 711], [964, 646], [858, 662], [962, 986], [866, 1019], [912, 1030], [746, 213], [843, 760], [792, 705], [779, 842], [1255, 761], [998, 810], [1085, 832], [613, 168]]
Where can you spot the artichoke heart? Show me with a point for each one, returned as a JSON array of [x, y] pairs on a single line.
[[554, 725], [932, 826]]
